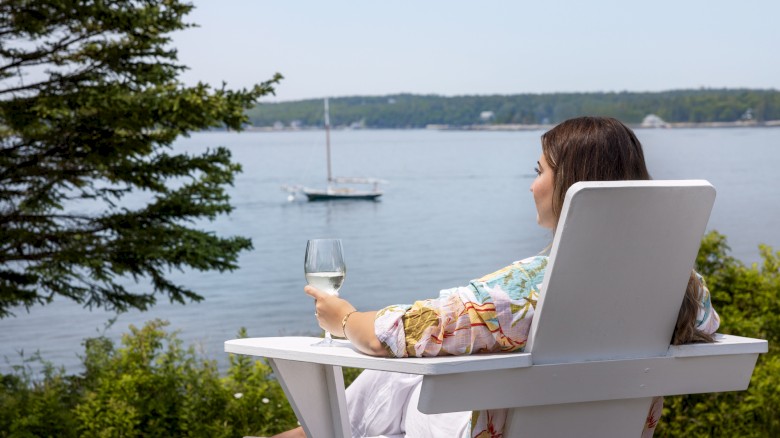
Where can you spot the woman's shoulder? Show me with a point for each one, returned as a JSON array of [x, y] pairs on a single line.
[[527, 268]]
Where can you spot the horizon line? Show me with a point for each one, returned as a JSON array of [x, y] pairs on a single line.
[[389, 95]]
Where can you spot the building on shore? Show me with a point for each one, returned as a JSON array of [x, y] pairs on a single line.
[[653, 121]]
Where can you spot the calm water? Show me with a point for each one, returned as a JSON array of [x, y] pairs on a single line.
[[457, 207]]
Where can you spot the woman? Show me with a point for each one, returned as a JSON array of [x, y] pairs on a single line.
[[493, 313]]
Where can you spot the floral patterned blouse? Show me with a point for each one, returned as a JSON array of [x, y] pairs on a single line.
[[492, 314]]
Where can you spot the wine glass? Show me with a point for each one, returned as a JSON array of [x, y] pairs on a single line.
[[325, 269]]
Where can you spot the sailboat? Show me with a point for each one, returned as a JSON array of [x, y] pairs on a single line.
[[333, 192]]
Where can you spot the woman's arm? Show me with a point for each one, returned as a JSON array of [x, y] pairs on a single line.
[[360, 331], [492, 314], [359, 328]]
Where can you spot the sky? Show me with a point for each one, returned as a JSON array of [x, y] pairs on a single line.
[[339, 48]]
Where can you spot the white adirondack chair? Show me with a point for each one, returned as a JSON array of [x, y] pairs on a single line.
[[598, 349]]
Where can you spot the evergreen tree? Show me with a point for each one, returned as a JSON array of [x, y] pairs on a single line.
[[90, 105]]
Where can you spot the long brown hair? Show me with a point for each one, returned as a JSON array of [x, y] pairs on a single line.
[[685, 331], [604, 149], [591, 149]]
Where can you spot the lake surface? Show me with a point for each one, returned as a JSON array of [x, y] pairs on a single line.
[[457, 207]]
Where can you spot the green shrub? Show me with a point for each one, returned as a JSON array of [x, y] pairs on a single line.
[[37, 408], [748, 301], [149, 386]]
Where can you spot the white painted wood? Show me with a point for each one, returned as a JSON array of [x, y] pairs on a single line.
[[618, 268], [724, 344], [585, 382], [337, 401], [606, 419], [300, 349], [599, 344], [723, 366], [316, 394]]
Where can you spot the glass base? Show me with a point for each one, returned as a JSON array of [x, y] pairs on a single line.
[[327, 341]]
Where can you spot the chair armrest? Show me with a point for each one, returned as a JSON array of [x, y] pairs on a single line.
[[723, 345], [297, 348]]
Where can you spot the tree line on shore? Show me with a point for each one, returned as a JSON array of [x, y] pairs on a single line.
[[418, 111]]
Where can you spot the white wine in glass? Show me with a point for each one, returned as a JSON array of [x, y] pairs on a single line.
[[325, 269], [329, 282]]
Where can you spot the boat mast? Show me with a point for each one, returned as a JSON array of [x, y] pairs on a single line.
[[327, 138]]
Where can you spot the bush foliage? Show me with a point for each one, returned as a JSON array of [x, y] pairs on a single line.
[[148, 386], [151, 385], [748, 301]]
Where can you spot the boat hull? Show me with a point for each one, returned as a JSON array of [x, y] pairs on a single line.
[[325, 196]]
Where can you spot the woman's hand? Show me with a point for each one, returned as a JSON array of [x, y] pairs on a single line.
[[329, 310]]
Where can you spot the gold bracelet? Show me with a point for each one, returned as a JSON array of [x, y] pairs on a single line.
[[344, 324]]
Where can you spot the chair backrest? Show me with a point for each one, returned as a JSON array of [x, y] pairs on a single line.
[[618, 268]]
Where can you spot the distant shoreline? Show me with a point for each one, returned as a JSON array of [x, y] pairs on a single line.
[[681, 125], [539, 127]]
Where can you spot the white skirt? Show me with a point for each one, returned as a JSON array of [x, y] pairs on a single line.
[[384, 405]]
